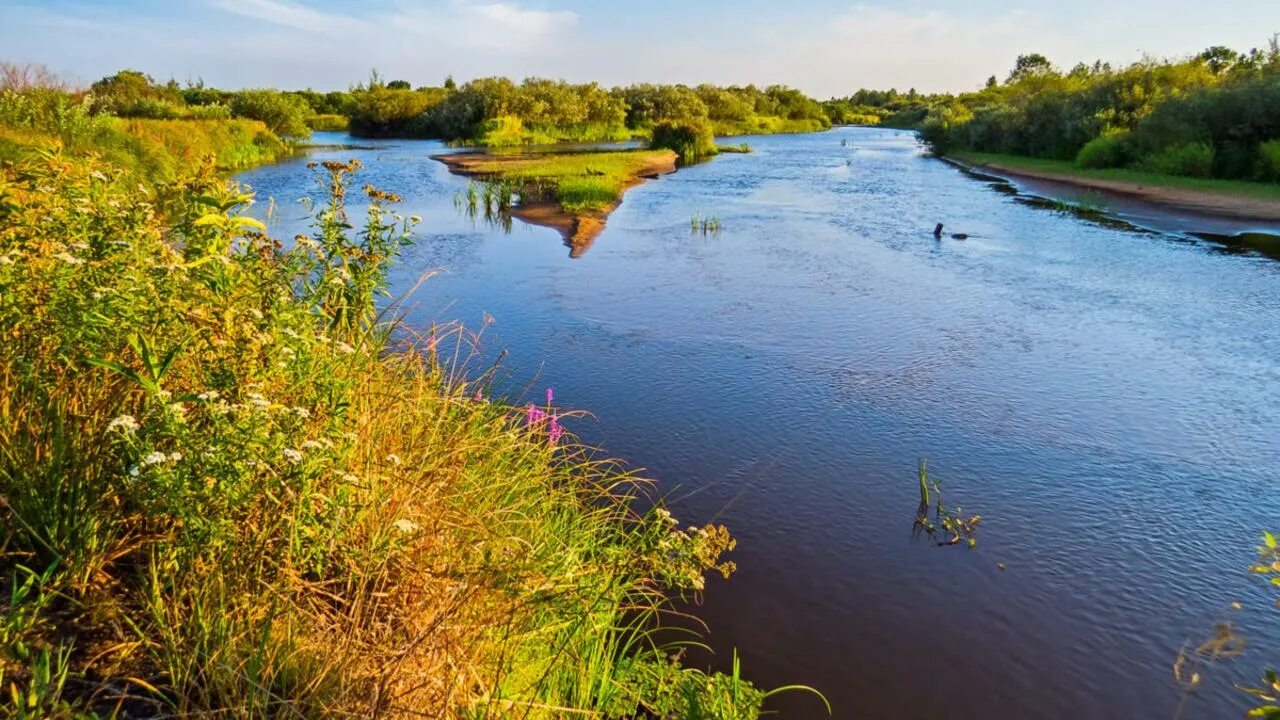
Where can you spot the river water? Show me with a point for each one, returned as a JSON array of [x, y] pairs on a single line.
[[1107, 399]]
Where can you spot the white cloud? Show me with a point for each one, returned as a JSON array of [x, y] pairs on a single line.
[[294, 15]]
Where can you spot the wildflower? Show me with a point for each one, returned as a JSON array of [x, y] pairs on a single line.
[[312, 445], [301, 412], [550, 397], [393, 459], [179, 410], [554, 430], [69, 258], [293, 456], [257, 400], [405, 526], [666, 517], [154, 457], [124, 423], [345, 349], [175, 457], [208, 395], [349, 478], [533, 415], [134, 471], [287, 352], [6, 259], [163, 395]]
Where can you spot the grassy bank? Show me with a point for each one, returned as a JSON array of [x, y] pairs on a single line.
[[152, 151], [578, 183], [229, 485], [1069, 171]]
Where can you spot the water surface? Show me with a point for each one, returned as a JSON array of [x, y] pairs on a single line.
[[1108, 400]]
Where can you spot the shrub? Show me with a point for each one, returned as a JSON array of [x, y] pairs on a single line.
[[691, 139], [1194, 159], [382, 112], [285, 115], [1104, 151], [1269, 159]]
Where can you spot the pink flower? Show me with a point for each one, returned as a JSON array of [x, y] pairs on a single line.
[[554, 430], [550, 397]]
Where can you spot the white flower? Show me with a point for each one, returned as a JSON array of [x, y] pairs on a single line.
[[154, 457], [69, 259], [312, 445], [175, 457], [208, 395], [293, 456], [163, 395], [405, 526], [134, 471], [287, 352], [124, 423], [345, 348], [393, 459], [665, 516], [6, 260], [256, 400], [349, 478], [301, 412]]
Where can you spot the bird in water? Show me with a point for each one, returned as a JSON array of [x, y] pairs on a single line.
[[937, 232]]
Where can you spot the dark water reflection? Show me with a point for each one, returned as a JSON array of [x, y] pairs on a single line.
[[1108, 400]]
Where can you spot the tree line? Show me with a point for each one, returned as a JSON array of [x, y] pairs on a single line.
[[1214, 114]]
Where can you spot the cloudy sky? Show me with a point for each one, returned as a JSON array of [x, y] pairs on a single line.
[[825, 47]]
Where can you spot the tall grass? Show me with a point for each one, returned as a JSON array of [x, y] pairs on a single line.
[[231, 485], [153, 150]]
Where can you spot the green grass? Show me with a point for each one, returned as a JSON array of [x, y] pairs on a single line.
[[332, 123], [1263, 191], [153, 151], [580, 182], [768, 125]]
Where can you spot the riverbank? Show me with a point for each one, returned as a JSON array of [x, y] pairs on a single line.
[[573, 193], [249, 493], [1237, 200]]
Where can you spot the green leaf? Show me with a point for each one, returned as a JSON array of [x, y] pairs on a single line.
[[210, 219], [1269, 539], [245, 221]]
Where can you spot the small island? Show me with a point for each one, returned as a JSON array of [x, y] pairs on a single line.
[[573, 192]]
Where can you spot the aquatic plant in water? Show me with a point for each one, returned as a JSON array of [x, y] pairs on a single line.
[[948, 526], [706, 226]]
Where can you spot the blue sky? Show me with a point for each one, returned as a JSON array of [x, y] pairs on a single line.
[[825, 47]]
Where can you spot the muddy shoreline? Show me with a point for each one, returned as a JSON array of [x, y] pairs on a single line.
[[1246, 210]]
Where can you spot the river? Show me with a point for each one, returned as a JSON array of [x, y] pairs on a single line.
[[1107, 399]]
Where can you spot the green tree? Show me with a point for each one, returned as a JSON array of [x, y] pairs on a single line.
[[286, 115]]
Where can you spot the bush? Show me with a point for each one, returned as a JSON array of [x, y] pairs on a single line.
[[1269, 159], [1106, 151], [285, 115], [1194, 159], [691, 139], [382, 112]]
